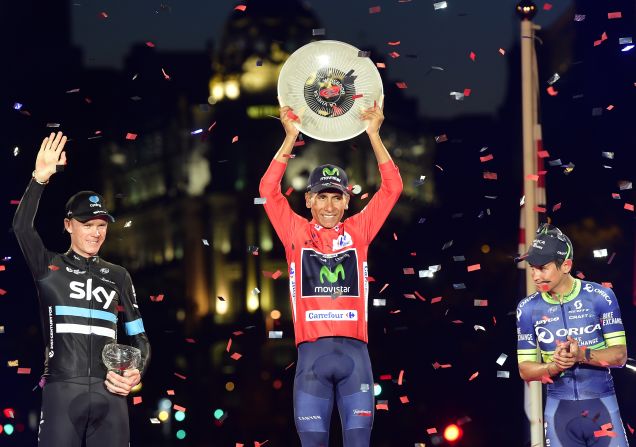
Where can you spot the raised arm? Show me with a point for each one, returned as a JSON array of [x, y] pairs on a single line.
[[372, 217], [276, 205], [50, 155]]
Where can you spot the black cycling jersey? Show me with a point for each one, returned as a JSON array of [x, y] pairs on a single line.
[[81, 300]]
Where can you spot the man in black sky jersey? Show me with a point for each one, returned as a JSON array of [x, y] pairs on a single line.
[[81, 298]]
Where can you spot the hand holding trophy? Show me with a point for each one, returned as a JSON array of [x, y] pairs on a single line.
[[122, 362]]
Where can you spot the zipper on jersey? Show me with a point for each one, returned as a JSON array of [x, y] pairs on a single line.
[[90, 322], [573, 369]]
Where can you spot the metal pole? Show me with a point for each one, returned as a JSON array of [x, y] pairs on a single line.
[[534, 389]]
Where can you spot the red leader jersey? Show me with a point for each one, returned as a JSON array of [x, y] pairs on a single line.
[[328, 273]]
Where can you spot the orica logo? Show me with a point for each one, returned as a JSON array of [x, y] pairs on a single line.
[[518, 314], [544, 335]]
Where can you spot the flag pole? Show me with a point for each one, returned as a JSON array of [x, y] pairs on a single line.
[[526, 10]]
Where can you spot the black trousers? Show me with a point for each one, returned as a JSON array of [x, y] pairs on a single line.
[[82, 412]]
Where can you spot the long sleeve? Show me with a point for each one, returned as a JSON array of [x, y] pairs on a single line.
[[134, 324], [35, 253], [280, 214], [372, 217]]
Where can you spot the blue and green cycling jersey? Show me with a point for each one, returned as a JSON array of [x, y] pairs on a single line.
[[591, 315]]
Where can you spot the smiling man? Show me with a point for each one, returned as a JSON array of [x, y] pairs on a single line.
[[577, 326], [328, 283], [80, 298]]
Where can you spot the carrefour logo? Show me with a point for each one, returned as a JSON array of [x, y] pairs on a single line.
[[331, 315]]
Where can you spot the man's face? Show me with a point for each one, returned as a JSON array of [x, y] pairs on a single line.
[[327, 207], [86, 237], [548, 276]]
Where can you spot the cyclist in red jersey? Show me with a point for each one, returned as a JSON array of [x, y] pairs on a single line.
[[328, 282]]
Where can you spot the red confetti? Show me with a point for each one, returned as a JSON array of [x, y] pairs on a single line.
[[103, 15], [539, 209], [156, 299], [473, 56], [547, 6], [357, 96], [401, 85], [276, 274], [543, 154], [419, 296], [364, 196], [609, 285], [180, 376], [236, 356], [431, 431], [502, 51], [552, 91], [211, 126], [629, 207], [3, 292], [229, 344], [137, 400], [467, 92], [235, 139], [14, 202], [394, 54], [380, 64], [374, 10], [386, 377], [170, 392], [533, 177], [404, 399], [150, 44], [474, 376], [190, 340], [240, 7], [384, 287], [397, 42], [298, 143], [166, 76], [53, 268], [556, 207], [490, 175], [3, 268], [382, 406], [631, 430], [408, 271], [615, 15], [400, 377], [437, 299], [289, 191], [395, 236], [486, 158], [472, 268], [131, 136], [178, 408], [24, 370]]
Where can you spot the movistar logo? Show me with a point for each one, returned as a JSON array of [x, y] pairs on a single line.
[[332, 171], [332, 277]]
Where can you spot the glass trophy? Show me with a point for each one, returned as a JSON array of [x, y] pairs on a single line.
[[119, 358]]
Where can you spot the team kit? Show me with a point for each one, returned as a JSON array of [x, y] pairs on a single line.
[[570, 332]]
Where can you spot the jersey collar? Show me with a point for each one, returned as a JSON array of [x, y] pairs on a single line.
[[576, 288], [79, 258]]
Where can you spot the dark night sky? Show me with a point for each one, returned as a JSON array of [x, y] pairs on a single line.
[[442, 38]]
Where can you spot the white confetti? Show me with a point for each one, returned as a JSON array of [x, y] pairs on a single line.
[[128, 224], [602, 253], [440, 5], [155, 421], [275, 334], [255, 291], [624, 40], [377, 302], [16, 151], [503, 374], [205, 242], [555, 77], [457, 96], [502, 359], [260, 200], [357, 189], [479, 328], [609, 155]]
